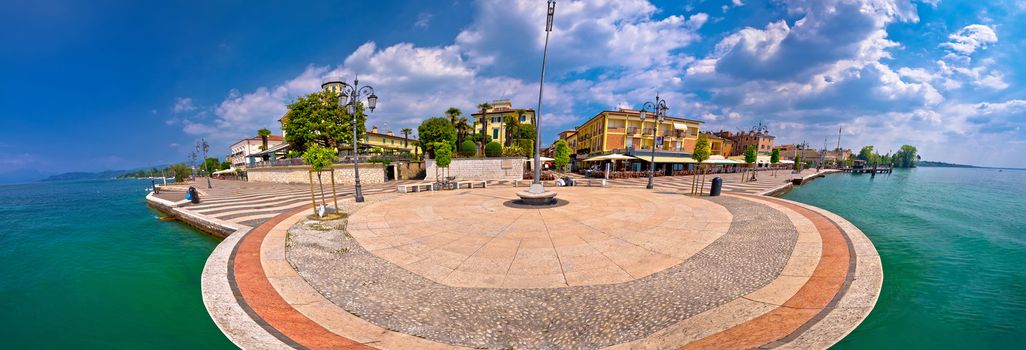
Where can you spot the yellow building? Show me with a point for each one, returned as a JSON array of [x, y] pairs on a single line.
[[389, 142], [492, 121], [622, 131]]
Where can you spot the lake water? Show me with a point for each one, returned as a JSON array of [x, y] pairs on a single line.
[[86, 265], [953, 245]]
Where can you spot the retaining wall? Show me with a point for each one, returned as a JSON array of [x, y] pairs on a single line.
[[344, 175], [499, 168]]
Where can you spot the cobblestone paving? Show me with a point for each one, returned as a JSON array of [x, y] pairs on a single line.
[[750, 255]]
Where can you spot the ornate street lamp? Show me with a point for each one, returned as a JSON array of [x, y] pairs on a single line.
[[348, 97], [660, 110]]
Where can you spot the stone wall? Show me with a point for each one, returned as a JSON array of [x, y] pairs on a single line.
[[499, 168], [369, 174], [409, 171]]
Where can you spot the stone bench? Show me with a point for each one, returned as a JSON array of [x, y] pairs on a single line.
[[405, 188], [590, 182], [518, 183], [471, 183]]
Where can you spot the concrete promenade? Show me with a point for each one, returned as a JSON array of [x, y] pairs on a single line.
[[615, 267]]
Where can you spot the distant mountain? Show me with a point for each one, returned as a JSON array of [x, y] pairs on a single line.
[[81, 175], [927, 163], [21, 175]]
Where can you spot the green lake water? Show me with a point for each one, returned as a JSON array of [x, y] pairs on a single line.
[[86, 265], [953, 246]]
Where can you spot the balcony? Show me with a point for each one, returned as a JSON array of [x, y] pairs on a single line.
[[633, 130], [616, 130]]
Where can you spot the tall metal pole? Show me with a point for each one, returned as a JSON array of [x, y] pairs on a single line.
[[536, 185], [356, 154]]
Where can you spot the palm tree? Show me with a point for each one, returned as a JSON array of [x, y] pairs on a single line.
[[512, 126], [453, 113], [406, 136], [484, 107], [264, 133], [461, 129]]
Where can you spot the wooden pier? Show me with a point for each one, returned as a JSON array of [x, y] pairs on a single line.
[[876, 170]]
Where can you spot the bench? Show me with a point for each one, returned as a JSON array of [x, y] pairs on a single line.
[[590, 182], [416, 187], [471, 183], [518, 183]]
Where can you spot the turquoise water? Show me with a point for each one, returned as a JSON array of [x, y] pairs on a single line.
[[87, 265], [953, 245]]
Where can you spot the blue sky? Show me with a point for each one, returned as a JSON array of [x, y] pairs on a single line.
[[94, 85]]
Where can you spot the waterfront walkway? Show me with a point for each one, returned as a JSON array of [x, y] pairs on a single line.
[[616, 267]]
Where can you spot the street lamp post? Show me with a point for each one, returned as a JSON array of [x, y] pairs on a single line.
[[348, 97], [660, 109], [536, 185]]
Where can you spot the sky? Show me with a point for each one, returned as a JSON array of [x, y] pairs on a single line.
[[98, 85]]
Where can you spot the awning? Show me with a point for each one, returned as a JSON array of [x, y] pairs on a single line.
[[614, 156], [722, 161], [225, 171], [680, 126], [544, 159], [664, 159], [274, 149], [784, 161]]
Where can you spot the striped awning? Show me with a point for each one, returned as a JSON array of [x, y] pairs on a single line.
[[680, 126], [665, 159]]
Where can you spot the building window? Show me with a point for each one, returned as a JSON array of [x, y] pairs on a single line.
[[495, 134], [523, 118]]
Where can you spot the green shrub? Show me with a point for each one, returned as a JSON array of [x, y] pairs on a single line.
[[468, 148], [513, 151], [443, 154], [527, 145], [493, 149]]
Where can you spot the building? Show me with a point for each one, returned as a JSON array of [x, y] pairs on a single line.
[[493, 121], [242, 149], [719, 146], [759, 137], [622, 131], [390, 143]]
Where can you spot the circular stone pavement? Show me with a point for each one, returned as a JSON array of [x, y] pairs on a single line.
[[612, 268]]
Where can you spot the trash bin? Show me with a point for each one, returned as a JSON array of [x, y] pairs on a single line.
[[717, 184], [193, 195]]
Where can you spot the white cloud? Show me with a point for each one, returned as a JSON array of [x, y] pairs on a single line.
[[423, 20], [971, 38], [183, 104]]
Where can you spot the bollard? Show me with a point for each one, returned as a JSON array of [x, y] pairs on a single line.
[[717, 184]]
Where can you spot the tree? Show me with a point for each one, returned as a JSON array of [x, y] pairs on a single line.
[[700, 154], [180, 171], [406, 136], [513, 150], [562, 156], [317, 119], [750, 157], [433, 131], [468, 148], [906, 157], [527, 145], [264, 133], [462, 129], [443, 156], [867, 154], [493, 149], [798, 163], [774, 159], [512, 126], [319, 158], [484, 107], [225, 166], [211, 165]]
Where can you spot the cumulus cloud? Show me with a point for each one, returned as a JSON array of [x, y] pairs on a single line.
[[827, 64], [970, 38]]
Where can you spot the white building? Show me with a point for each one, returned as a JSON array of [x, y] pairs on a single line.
[[243, 148]]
